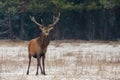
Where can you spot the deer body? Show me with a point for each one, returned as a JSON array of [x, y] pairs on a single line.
[[37, 47]]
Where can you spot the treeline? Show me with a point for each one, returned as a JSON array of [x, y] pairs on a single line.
[[80, 19]]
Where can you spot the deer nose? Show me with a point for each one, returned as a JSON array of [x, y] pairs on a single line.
[[46, 31]]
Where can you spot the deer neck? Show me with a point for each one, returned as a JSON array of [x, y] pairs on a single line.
[[43, 36], [43, 40]]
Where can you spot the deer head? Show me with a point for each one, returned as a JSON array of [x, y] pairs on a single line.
[[46, 29]]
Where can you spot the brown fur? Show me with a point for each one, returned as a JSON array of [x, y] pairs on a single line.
[[38, 47]]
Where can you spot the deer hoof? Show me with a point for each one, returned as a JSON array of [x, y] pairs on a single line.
[[27, 73], [36, 73], [43, 73]]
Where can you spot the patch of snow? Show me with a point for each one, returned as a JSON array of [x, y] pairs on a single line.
[[64, 62]]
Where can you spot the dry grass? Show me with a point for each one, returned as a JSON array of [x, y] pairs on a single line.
[[12, 43], [69, 66]]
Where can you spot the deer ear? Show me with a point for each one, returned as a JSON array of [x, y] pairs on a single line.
[[41, 27]]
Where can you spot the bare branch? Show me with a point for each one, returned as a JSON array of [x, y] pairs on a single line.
[[4, 32]]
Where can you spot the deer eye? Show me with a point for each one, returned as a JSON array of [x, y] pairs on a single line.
[[42, 27]]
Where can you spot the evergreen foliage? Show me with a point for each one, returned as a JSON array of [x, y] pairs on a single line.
[[80, 19]]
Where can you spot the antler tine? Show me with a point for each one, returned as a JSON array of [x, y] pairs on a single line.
[[42, 21], [59, 14], [33, 19], [55, 20], [56, 17]]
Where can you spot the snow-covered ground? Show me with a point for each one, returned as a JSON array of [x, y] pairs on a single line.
[[65, 60]]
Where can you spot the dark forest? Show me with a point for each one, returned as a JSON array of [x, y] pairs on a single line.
[[80, 19]]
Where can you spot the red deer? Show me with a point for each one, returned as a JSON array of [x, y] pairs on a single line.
[[37, 47]]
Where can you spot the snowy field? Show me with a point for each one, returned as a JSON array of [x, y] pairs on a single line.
[[65, 60]]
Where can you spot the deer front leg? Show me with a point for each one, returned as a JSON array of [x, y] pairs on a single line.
[[29, 64], [43, 63], [38, 64]]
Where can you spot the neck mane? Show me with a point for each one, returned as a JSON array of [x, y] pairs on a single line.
[[43, 40]]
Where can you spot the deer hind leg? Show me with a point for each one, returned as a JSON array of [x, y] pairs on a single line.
[[43, 63], [29, 64]]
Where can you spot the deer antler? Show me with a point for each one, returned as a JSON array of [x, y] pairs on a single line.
[[55, 20], [33, 19]]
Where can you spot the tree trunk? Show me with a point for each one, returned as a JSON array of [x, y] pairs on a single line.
[[111, 22], [10, 25], [106, 23], [57, 33], [22, 33]]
